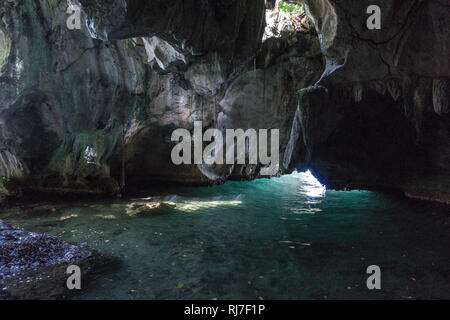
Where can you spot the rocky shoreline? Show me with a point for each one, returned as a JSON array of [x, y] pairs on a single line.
[[33, 266]]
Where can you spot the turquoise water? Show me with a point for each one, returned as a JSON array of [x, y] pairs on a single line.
[[284, 238]]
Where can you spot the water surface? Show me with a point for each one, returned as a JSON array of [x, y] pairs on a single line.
[[284, 238]]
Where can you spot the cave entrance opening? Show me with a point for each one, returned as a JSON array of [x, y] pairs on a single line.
[[312, 185], [283, 18]]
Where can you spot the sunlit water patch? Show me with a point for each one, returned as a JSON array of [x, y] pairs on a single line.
[[284, 238]]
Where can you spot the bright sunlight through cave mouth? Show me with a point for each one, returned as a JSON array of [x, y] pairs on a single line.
[[311, 187]]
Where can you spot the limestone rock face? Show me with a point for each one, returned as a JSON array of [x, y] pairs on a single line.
[[61, 97], [163, 53], [378, 118], [234, 28], [70, 105], [93, 110], [89, 111], [265, 98]]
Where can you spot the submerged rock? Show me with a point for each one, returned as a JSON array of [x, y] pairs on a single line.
[[33, 266], [150, 208]]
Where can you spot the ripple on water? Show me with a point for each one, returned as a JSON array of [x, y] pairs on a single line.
[[283, 238]]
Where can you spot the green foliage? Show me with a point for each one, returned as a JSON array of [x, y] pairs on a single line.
[[292, 8]]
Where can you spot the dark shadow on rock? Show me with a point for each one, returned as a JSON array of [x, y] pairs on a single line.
[[33, 266]]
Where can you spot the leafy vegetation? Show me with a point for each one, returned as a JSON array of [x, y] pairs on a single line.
[[285, 19], [292, 8]]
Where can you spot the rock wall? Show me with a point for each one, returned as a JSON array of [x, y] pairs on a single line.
[[379, 116], [70, 103], [92, 110]]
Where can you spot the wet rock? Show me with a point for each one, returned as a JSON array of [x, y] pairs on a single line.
[[149, 208], [33, 266]]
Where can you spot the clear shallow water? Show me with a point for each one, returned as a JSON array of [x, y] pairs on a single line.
[[285, 238]]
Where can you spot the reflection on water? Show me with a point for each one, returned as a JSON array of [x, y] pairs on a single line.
[[310, 186], [284, 238], [191, 206]]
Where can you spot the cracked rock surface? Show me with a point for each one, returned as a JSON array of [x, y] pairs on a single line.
[[90, 111]]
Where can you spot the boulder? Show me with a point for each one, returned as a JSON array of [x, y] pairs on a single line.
[[34, 265]]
